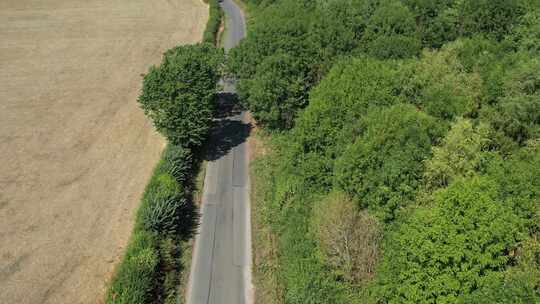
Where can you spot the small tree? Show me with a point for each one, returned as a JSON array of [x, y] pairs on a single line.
[[347, 237], [460, 155], [179, 95]]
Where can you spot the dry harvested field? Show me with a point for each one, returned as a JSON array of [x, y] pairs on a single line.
[[75, 149]]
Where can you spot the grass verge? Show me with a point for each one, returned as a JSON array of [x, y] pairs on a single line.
[[264, 246]]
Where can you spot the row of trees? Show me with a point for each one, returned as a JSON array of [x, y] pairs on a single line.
[[406, 168]]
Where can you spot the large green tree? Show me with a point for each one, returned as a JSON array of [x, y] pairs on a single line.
[[383, 167], [179, 95], [448, 250]]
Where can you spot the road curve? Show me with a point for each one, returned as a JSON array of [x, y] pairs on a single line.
[[221, 268]]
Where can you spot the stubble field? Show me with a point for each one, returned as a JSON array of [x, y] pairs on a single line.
[[75, 149]]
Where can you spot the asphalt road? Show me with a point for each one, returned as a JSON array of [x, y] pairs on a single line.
[[220, 272], [235, 24]]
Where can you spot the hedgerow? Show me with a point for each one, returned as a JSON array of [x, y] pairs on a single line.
[[215, 16], [150, 260]]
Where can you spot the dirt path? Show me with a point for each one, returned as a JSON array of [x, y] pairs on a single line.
[[75, 150]]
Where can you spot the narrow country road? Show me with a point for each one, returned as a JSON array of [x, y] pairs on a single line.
[[220, 272]]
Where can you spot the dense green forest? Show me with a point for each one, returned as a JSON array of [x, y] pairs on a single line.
[[404, 139]]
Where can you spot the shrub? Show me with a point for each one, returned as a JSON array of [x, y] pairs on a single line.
[[448, 250], [347, 237], [161, 185], [516, 115], [169, 251], [178, 162], [492, 17], [461, 154], [214, 22], [382, 169], [435, 21], [276, 91], [526, 35], [439, 85], [170, 215], [329, 124], [518, 177], [136, 276], [179, 95], [519, 284], [391, 32]]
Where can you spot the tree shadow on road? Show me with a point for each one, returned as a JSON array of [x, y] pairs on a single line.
[[229, 130]]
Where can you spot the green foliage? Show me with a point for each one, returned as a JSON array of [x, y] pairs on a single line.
[[519, 179], [461, 154], [178, 162], [391, 32], [274, 94], [164, 214], [148, 272], [492, 17], [439, 85], [382, 169], [136, 275], [169, 251], [327, 126], [527, 34], [516, 115], [365, 111], [179, 95], [520, 284], [214, 22], [435, 21], [446, 251], [289, 47], [348, 239]]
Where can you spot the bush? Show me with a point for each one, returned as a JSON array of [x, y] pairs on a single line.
[[275, 94], [516, 115], [492, 17], [347, 237], [520, 284], [180, 94], [518, 177], [178, 162], [382, 169], [526, 35], [329, 124], [214, 22], [439, 85], [163, 215], [136, 276], [149, 271], [435, 21], [391, 32], [169, 251], [461, 154], [445, 252]]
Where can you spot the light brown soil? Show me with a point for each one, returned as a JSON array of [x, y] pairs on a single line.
[[75, 149]]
